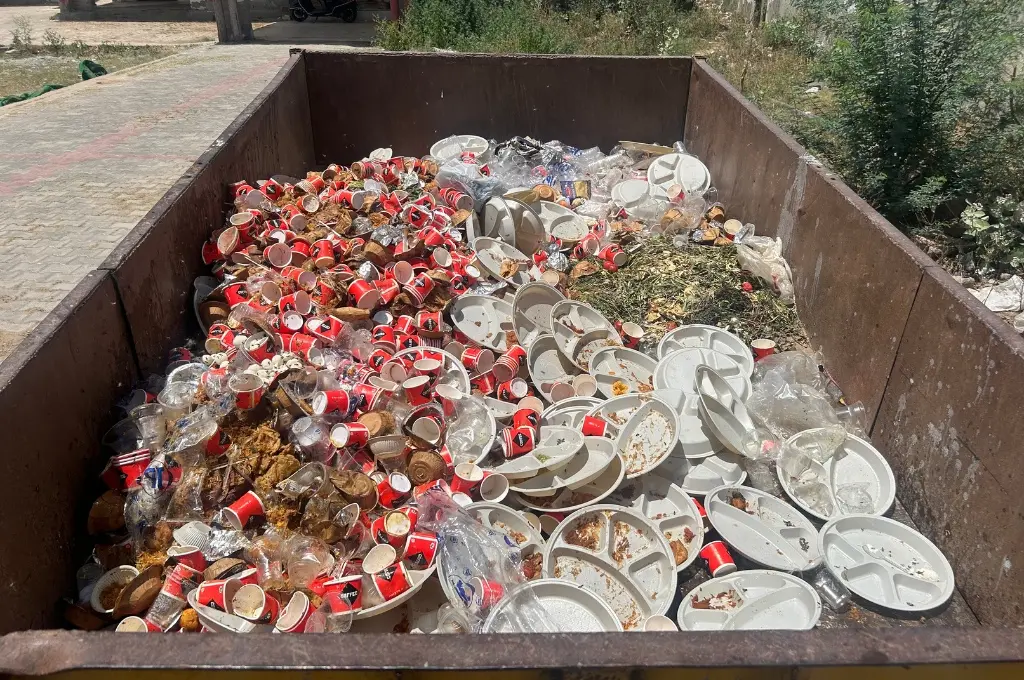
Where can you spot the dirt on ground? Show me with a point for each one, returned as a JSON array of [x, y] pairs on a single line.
[[41, 18]]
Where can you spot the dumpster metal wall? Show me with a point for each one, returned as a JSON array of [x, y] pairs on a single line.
[[418, 99], [941, 375], [860, 284]]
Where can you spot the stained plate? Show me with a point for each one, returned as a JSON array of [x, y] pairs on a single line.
[[480, 318], [646, 430], [678, 370], [613, 365], [569, 412], [751, 600], [678, 168], [547, 365], [564, 608], [617, 554], [588, 464], [570, 500], [490, 252], [696, 440], [557, 446], [708, 337], [769, 531], [531, 311], [562, 223], [886, 562], [722, 410], [855, 462], [571, 322], [670, 508]]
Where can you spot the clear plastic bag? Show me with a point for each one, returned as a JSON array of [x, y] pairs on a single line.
[[480, 567], [788, 396], [762, 256]]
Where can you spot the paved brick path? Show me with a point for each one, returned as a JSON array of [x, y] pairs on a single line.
[[80, 167]]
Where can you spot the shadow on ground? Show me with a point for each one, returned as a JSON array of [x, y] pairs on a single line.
[[322, 31]]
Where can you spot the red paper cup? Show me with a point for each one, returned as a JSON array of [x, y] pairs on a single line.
[[323, 254], [594, 427], [613, 254], [436, 485], [189, 556], [631, 334], [391, 581], [517, 441], [484, 383], [236, 294], [477, 359], [421, 549], [325, 328], [306, 280], [420, 287], [397, 526], [278, 255], [239, 512], [486, 593], [299, 302], [378, 358], [417, 390], [369, 395], [344, 594], [247, 388], [429, 323], [762, 348], [405, 325], [506, 367], [394, 490], [137, 624], [322, 294], [718, 559], [526, 417], [332, 402], [388, 289], [182, 580], [296, 614], [363, 294], [252, 604], [354, 435], [467, 477], [512, 390], [456, 199], [218, 594], [384, 338]]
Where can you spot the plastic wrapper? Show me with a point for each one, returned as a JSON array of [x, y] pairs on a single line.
[[762, 256], [466, 177], [855, 497], [788, 397], [482, 566]]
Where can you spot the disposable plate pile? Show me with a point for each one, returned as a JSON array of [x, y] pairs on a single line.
[[399, 418]]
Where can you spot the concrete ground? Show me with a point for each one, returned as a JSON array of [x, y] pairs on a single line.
[[80, 166]]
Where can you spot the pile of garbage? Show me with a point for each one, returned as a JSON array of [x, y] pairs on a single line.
[[396, 419]]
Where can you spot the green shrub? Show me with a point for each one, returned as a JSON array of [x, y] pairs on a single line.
[[790, 34], [921, 98], [994, 238]]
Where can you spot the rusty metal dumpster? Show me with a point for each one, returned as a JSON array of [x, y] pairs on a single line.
[[939, 374]]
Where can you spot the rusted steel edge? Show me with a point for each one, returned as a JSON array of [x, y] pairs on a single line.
[[42, 652]]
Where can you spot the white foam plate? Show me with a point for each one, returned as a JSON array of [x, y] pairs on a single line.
[[618, 364], [568, 412], [886, 562], [678, 370], [547, 364], [498, 220], [646, 430], [490, 252], [474, 229], [509, 522], [696, 440], [529, 230], [670, 508], [708, 337], [451, 147], [571, 322], [586, 466], [480, 318], [570, 500], [855, 462], [501, 411], [452, 370], [629, 565], [770, 531], [564, 608], [722, 410], [562, 223], [751, 600], [531, 311], [630, 193], [678, 168], [697, 477], [557, 446], [480, 451]]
